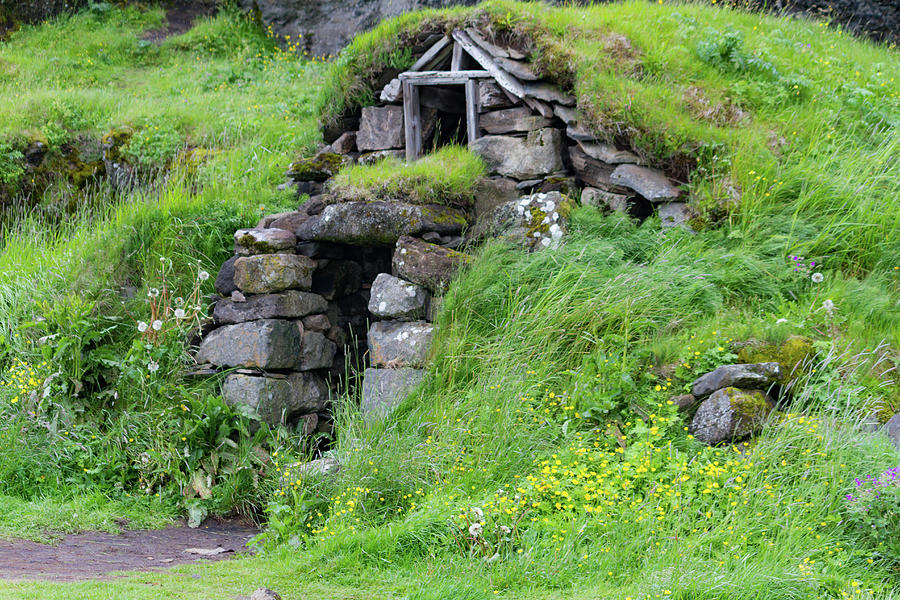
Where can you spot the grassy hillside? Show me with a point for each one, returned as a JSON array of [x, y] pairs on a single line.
[[542, 457]]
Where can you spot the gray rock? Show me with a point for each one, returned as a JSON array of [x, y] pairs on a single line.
[[892, 429], [321, 467], [248, 242], [511, 120], [316, 323], [265, 344], [593, 172], [605, 200], [264, 594], [393, 298], [518, 69], [608, 154], [684, 402], [276, 401], [370, 158], [225, 279], [533, 156], [289, 221], [428, 265], [489, 194], [491, 96], [729, 414], [373, 223], [316, 351], [549, 93], [345, 144], [380, 128], [649, 183], [535, 221], [399, 344], [286, 305], [267, 273], [756, 376], [674, 214], [384, 389]]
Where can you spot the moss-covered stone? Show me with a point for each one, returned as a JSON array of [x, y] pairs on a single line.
[[793, 355], [321, 167], [114, 141]]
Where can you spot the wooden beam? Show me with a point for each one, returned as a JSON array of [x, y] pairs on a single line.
[[472, 102], [504, 79], [412, 121], [442, 77], [491, 48], [456, 61], [431, 54]]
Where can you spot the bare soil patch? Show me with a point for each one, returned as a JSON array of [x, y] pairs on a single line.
[[180, 18], [93, 555]]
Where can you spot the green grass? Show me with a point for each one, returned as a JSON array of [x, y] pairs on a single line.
[[551, 372], [446, 176]]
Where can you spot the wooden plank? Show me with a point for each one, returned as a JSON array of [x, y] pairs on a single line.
[[517, 69], [456, 61], [504, 79], [423, 62], [442, 77], [412, 122], [472, 102]]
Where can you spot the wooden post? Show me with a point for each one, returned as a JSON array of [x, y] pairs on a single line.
[[472, 101], [412, 122]]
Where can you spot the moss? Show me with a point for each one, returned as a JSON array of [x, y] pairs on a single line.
[[321, 167], [114, 141], [792, 355], [750, 405]]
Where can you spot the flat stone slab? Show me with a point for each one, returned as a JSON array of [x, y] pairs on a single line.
[[380, 128], [248, 242], [602, 199], [511, 120], [530, 157], [674, 214], [400, 344], [756, 376], [730, 414], [265, 344], [277, 401], [649, 183], [384, 389], [379, 223], [428, 265], [393, 298], [291, 304], [608, 154], [268, 273]]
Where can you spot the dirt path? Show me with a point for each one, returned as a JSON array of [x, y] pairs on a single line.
[[179, 19], [94, 555]]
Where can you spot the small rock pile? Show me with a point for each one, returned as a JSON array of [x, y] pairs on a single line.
[[734, 401]]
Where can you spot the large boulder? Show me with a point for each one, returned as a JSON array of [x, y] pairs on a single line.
[[534, 156], [277, 401], [384, 389], [380, 128], [730, 414], [267, 273], [393, 298], [428, 265], [649, 183], [399, 343], [248, 242], [265, 344], [537, 221], [373, 223], [758, 376], [491, 192], [286, 305]]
